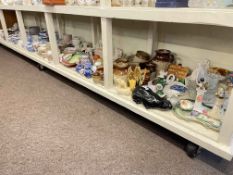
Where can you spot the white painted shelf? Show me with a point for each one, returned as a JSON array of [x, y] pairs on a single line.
[[207, 138], [220, 143], [220, 17]]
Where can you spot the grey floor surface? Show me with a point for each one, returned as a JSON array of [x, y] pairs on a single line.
[[52, 126]]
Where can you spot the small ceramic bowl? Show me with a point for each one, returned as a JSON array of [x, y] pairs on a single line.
[[69, 50], [143, 55]]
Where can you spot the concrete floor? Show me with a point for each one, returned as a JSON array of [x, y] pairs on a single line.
[[52, 126]]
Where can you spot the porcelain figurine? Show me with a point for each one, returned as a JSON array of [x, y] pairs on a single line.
[[157, 85], [209, 96], [149, 99], [191, 81], [136, 76], [198, 107], [201, 82], [87, 70], [200, 74], [216, 112]]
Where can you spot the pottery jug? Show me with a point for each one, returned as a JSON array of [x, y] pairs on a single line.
[[163, 59]]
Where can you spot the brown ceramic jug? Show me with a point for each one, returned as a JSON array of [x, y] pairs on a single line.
[[163, 59]]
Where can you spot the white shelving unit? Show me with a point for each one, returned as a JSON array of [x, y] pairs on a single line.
[[219, 143]]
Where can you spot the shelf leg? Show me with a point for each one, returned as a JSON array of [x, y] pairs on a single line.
[[106, 25], [226, 132], [23, 34], [3, 22], [52, 36], [152, 39]]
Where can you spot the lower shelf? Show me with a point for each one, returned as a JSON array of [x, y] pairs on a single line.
[[194, 132]]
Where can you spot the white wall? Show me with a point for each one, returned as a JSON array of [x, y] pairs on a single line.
[[34, 19], [193, 43], [130, 35], [77, 26]]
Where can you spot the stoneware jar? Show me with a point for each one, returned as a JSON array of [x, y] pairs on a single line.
[[163, 59]]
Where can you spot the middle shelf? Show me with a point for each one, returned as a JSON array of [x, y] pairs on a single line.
[[115, 57], [163, 118]]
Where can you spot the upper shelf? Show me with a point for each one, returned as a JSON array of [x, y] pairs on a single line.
[[219, 17]]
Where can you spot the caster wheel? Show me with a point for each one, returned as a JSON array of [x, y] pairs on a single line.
[[41, 67], [192, 150]]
